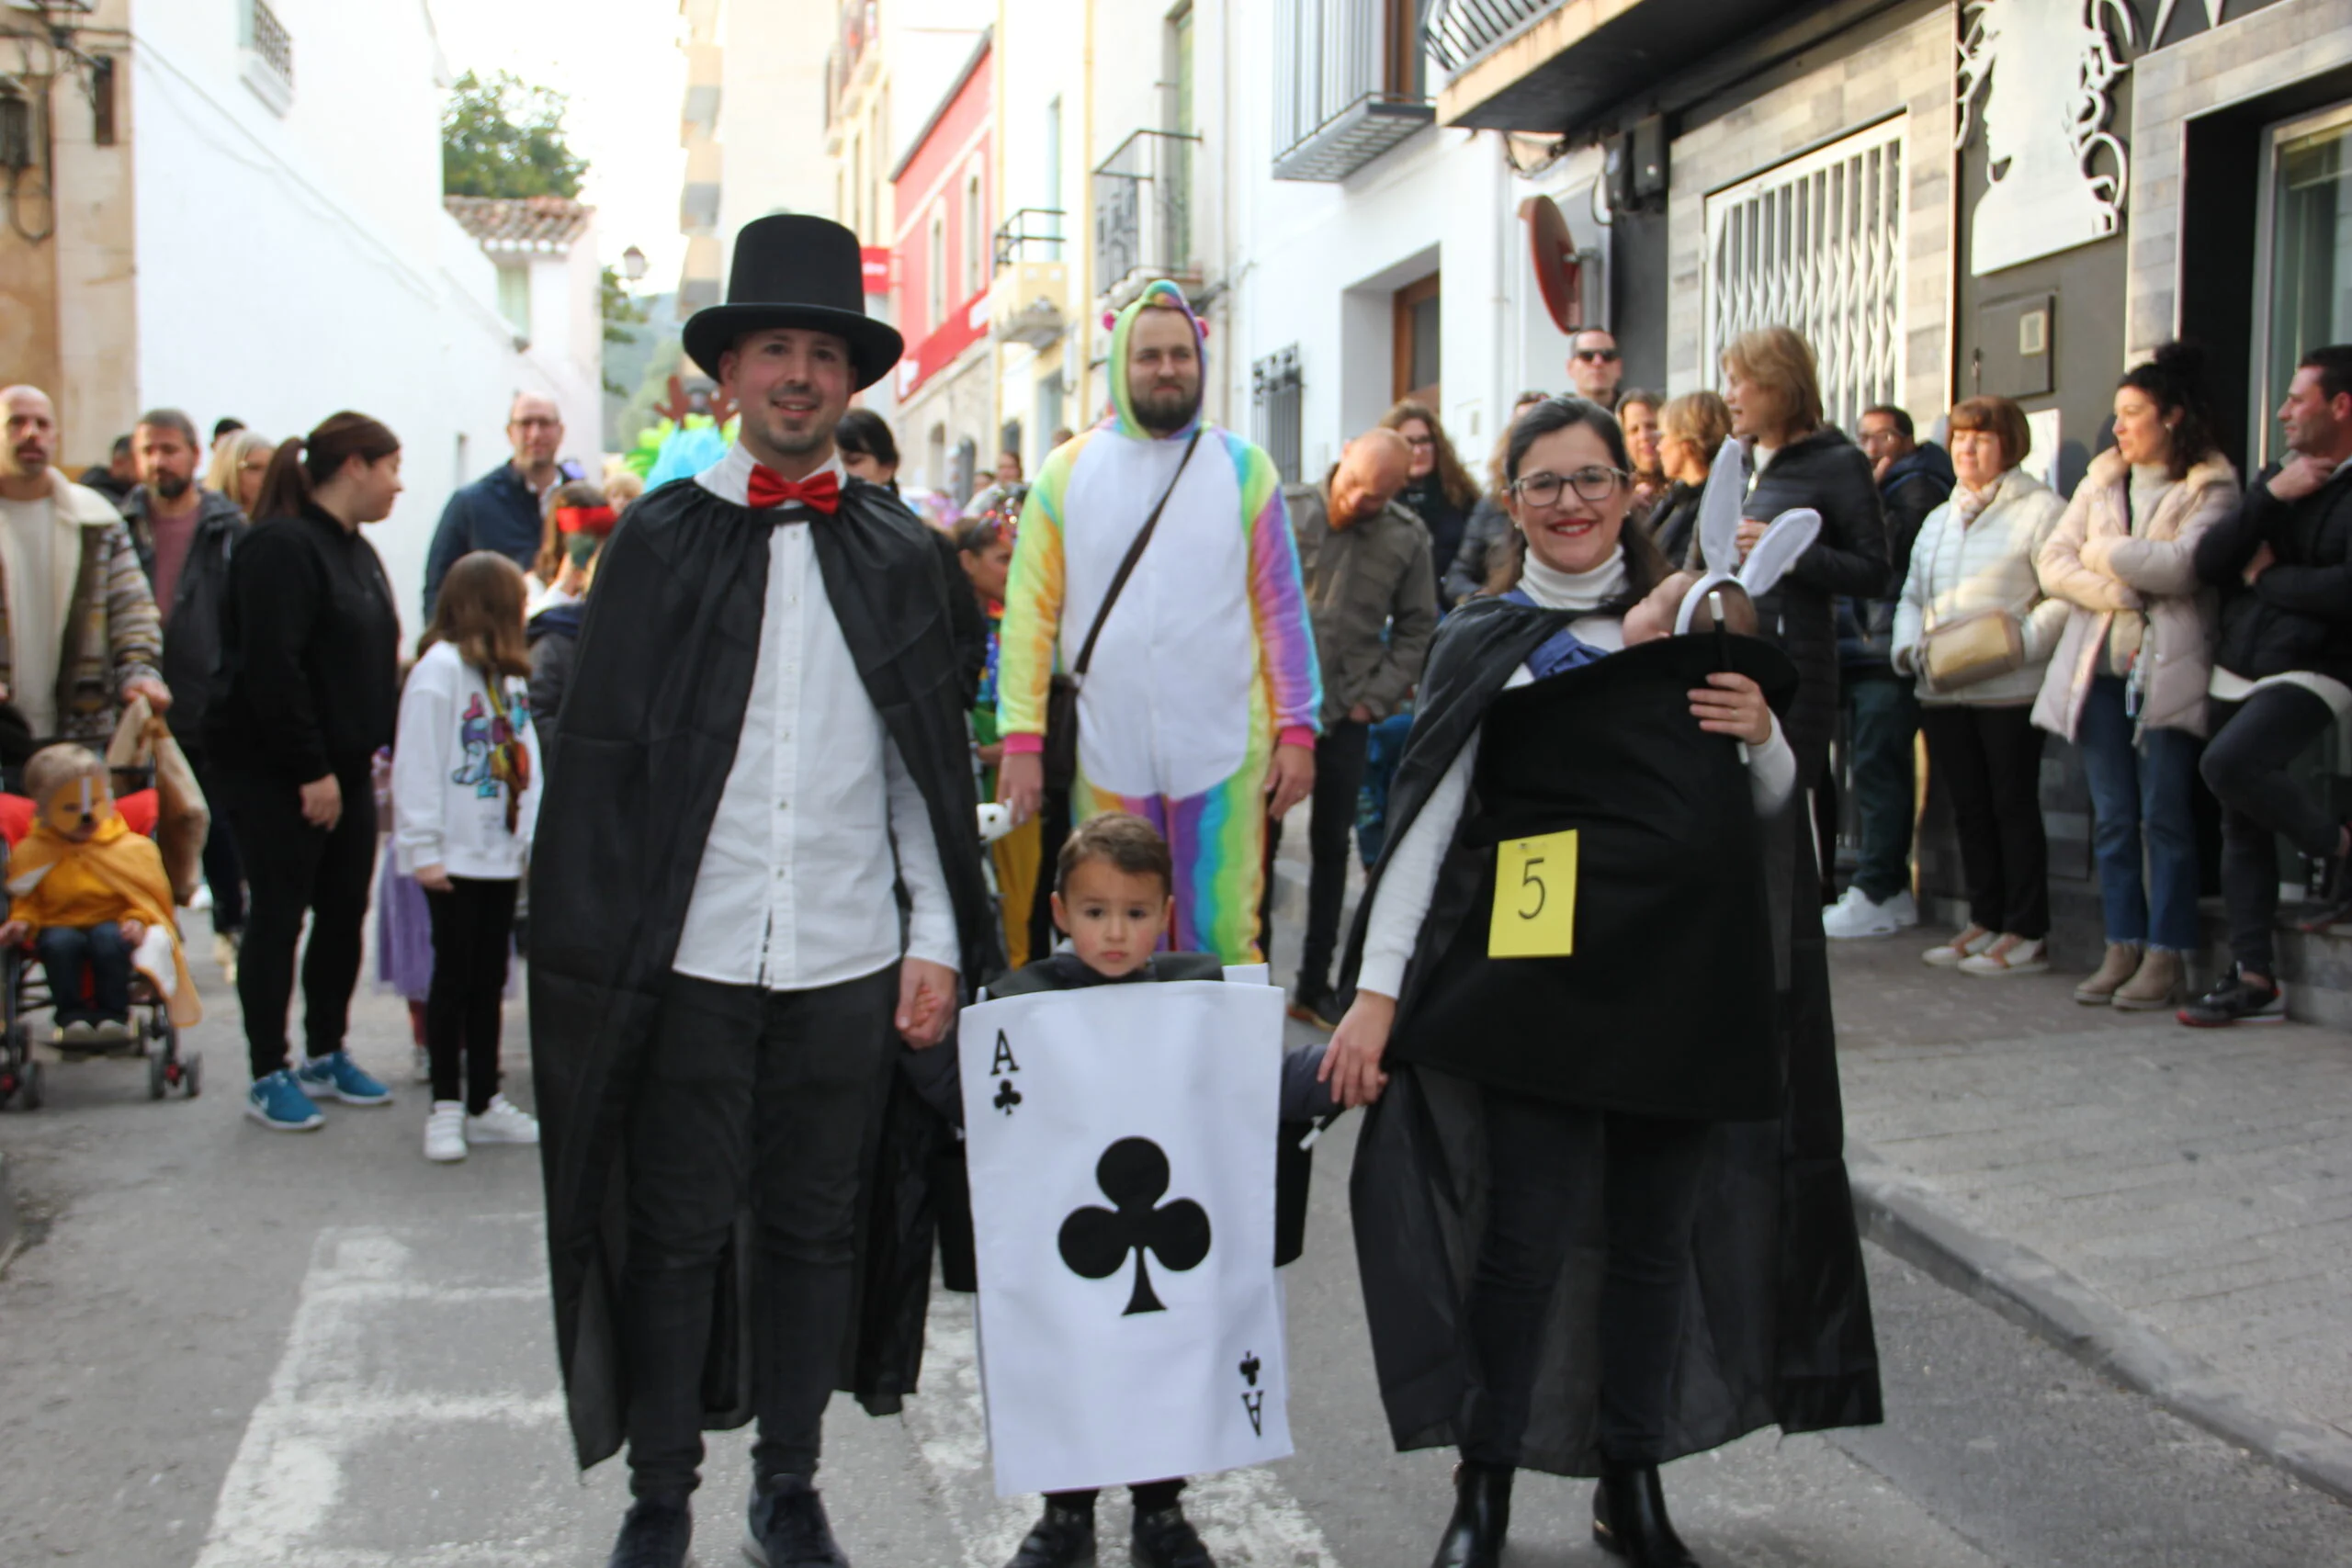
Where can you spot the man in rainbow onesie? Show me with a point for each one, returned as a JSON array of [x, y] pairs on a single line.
[[1200, 707]]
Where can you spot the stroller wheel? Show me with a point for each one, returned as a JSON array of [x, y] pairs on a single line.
[[192, 1073], [157, 1078], [29, 1094]]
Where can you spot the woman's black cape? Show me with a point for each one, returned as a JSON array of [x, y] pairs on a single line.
[[650, 728], [1779, 1329]]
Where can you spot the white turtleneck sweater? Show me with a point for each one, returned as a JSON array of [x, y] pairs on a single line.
[[1402, 902]]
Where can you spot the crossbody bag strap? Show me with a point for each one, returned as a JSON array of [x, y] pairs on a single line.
[[1135, 554]]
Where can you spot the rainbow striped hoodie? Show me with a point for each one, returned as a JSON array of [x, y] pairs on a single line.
[[1208, 659]]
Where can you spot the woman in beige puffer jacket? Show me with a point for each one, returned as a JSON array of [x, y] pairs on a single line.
[[2128, 682]]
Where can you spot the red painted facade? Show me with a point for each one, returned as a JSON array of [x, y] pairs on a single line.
[[931, 189]]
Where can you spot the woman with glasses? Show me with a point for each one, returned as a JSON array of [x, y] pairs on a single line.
[[1542, 1288], [1438, 489], [238, 464]]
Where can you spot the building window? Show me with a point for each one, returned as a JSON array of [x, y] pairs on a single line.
[[1417, 341], [268, 64], [975, 258], [935, 282], [1816, 245], [2306, 272], [1275, 406]]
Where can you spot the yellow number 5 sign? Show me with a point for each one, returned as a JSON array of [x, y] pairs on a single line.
[[1535, 897]]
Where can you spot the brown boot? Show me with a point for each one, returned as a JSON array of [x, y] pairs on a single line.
[[2121, 962], [2154, 986]]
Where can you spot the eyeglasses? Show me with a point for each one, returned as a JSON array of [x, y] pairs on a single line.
[[1595, 483], [1597, 355], [1420, 441]]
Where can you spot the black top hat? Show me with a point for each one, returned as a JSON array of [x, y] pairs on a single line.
[[796, 270]]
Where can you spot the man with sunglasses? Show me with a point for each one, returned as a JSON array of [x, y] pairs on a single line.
[[1595, 365]]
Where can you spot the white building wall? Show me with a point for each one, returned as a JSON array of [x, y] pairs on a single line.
[[773, 80], [291, 265]]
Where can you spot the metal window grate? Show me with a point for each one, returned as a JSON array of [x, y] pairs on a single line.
[[1459, 31], [1143, 214], [1816, 245], [1277, 397], [1336, 109], [267, 37]]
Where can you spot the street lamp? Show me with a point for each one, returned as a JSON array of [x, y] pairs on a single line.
[[633, 264]]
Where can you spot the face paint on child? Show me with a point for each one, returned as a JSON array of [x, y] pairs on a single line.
[[1115, 918], [77, 809]]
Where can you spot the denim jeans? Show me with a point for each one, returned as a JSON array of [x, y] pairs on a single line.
[[1884, 716], [2141, 790], [97, 954], [1384, 750]]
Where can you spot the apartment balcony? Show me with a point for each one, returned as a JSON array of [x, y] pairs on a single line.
[[1143, 214], [1348, 86], [1029, 283]]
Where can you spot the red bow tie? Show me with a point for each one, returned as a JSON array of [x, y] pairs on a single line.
[[769, 487]]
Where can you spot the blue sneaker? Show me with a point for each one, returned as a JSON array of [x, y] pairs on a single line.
[[279, 1104], [336, 1076]]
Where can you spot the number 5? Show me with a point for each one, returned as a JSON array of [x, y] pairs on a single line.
[[1527, 878]]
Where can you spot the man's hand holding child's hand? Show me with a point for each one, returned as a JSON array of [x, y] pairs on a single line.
[[926, 1001]]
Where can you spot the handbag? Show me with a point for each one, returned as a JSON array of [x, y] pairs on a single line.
[[1061, 748], [1970, 649]]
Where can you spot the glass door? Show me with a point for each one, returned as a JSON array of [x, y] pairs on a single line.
[[2306, 272]]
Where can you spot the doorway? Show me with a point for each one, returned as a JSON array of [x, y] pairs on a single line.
[[1416, 343]]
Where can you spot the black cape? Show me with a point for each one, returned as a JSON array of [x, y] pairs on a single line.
[[1779, 1329], [650, 722]]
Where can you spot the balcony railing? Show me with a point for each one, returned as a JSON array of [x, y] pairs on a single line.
[[1143, 211], [858, 25], [1459, 31], [1028, 234], [1344, 91]]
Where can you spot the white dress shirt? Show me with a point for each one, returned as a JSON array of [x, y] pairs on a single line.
[[820, 818]]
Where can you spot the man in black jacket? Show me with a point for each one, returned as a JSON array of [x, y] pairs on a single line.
[[185, 534], [2283, 676], [1881, 714], [505, 509]]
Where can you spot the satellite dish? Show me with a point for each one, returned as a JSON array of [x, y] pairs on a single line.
[[1560, 276]]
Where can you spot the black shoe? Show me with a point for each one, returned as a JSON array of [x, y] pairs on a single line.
[[1629, 1519], [788, 1529], [1166, 1538], [654, 1535], [1064, 1537], [1474, 1537], [1320, 1008], [2235, 1001]]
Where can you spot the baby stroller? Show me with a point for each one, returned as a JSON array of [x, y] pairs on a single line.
[[25, 991]]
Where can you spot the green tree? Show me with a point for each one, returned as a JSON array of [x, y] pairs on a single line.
[[503, 137], [623, 312]]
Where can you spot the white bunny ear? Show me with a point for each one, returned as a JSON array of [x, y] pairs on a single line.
[[1719, 509], [1791, 535], [1698, 596]]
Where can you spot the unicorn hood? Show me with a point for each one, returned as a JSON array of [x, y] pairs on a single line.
[[1159, 295]]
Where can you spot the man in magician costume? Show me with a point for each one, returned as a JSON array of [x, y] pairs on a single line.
[[756, 888], [1601, 1205]]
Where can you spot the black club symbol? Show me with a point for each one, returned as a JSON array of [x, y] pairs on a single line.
[[1249, 1368], [1133, 1173], [1007, 1097]]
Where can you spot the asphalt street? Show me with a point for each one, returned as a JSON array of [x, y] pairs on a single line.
[[235, 1349]]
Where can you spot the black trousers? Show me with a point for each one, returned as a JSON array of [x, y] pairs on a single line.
[[2245, 766], [293, 868], [1148, 1497], [769, 1096], [1339, 776], [1651, 1172], [223, 873], [473, 931], [1990, 758]]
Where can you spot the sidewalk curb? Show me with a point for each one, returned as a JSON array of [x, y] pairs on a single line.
[[9, 1229], [1909, 1219]]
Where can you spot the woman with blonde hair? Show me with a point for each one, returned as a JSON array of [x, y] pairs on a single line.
[[1691, 430], [238, 464]]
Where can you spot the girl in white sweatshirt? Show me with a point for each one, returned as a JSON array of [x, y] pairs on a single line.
[[466, 795]]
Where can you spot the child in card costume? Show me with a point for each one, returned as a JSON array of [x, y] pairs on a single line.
[[1601, 1214], [93, 898], [1206, 662], [1112, 897]]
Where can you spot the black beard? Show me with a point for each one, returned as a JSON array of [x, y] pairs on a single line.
[[171, 487], [1164, 414]]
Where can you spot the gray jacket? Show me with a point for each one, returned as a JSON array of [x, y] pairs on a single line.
[[1370, 589]]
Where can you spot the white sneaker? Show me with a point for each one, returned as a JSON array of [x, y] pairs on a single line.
[[1967, 944], [445, 1132], [203, 899], [2009, 955], [503, 1122], [1904, 907], [1854, 916]]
